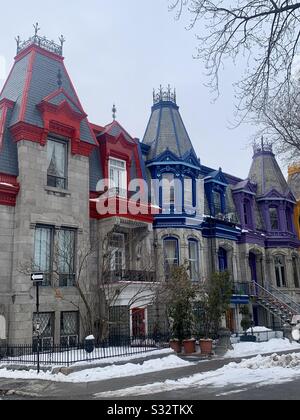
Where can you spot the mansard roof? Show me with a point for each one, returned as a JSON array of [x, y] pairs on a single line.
[[266, 173], [166, 130], [38, 76]]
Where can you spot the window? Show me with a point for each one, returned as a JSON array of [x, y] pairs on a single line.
[[168, 186], [274, 221], [118, 177], [117, 253], [171, 254], [65, 249], [289, 221], [280, 271], [247, 213], [57, 164], [44, 324], [55, 249], [296, 271], [223, 261], [194, 260], [69, 328], [217, 201], [43, 247], [188, 192]]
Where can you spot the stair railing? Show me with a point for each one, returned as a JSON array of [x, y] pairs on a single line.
[[263, 293], [283, 297]]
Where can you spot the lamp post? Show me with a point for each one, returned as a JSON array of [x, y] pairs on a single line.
[[37, 279]]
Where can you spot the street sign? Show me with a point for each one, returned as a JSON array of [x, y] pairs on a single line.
[[37, 277]]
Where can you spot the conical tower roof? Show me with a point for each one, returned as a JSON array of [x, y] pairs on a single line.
[[166, 130], [266, 173]]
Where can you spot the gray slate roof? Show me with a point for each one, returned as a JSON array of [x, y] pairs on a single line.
[[166, 131], [43, 82], [266, 173]]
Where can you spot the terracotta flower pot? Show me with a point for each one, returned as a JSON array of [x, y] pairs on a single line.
[[175, 345], [189, 346], [206, 346]]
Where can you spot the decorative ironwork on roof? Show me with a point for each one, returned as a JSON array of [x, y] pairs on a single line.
[[42, 42], [164, 95], [263, 146]]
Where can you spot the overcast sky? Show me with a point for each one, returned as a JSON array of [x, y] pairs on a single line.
[[118, 51]]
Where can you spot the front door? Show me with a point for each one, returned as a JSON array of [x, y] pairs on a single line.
[[138, 322], [253, 269]]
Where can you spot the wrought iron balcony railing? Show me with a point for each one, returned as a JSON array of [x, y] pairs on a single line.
[[133, 276]]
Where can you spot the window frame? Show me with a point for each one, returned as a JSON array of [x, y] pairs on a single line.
[[196, 261], [272, 208], [168, 267], [66, 152], [117, 190], [280, 271]]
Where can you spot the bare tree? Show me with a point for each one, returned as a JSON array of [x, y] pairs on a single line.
[[262, 34], [280, 123], [97, 292]]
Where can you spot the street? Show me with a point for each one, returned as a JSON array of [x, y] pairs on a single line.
[[271, 388]]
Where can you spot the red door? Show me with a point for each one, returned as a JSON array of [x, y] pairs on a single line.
[[138, 322]]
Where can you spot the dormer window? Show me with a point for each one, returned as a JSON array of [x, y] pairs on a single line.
[[217, 201], [247, 213], [57, 164], [289, 221], [118, 177], [168, 187], [274, 219]]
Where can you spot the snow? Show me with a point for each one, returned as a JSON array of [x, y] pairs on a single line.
[[258, 330], [80, 357], [102, 373], [250, 349], [90, 337], [257, 371]]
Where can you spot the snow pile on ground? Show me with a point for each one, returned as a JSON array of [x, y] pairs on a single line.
[[258, 371], [258, 330], [250, 349], [103, 373]]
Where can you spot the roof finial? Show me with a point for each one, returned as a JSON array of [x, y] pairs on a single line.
[[62, 40], [36, 28], [114, 111], [18, 41]]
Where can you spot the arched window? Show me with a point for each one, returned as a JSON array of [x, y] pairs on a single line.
[[295, 263], [280, 271], [274, 219], [168, 189], [194, 260], [223, 259], [171, 254]]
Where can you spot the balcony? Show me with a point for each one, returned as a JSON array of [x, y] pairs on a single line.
[[241, 293], [132, 276]]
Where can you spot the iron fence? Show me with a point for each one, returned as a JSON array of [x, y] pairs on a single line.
[[66, 355]]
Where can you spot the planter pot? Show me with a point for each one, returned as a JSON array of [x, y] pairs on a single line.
[[189, 346], [175, 345], [206, 346]]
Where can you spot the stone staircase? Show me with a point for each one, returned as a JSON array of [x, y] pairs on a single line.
[[276, 302]]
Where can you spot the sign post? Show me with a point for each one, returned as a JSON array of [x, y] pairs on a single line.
[[37, 279]]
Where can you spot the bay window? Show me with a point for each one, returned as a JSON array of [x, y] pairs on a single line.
[[171, 254], [194, 260]]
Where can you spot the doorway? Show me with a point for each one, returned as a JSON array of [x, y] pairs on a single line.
[[138, 322]]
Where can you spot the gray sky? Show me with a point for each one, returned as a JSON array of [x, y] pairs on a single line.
[[118, 51]]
